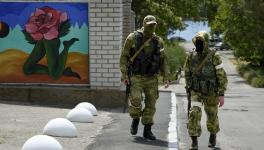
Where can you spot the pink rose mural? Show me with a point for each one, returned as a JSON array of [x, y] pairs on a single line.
[[45, 23], [44, 28]]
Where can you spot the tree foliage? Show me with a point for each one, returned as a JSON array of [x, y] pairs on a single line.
[[242, 23], [169, 13]]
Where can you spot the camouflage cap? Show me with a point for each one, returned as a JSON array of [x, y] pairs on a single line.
[[149, 19]]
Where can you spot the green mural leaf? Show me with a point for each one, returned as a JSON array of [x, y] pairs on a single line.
[[28, 37], [64, 28]]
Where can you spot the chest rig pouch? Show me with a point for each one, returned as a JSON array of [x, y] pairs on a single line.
[[205, 81], [146, 62]]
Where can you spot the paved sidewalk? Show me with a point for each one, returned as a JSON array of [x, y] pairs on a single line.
[[20, 122]]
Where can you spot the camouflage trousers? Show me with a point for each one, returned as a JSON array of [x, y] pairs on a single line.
[[210, 104], [149, 86]]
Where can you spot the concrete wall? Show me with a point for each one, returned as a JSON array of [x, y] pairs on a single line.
[[61, 96]]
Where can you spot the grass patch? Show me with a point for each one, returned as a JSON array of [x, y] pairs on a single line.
[[258, 82], [254, 75]]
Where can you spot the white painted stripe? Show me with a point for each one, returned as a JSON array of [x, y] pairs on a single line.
[[173, 136]]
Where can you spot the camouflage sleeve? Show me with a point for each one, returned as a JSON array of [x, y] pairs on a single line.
[[187, 72], [220, 74], [125, 55], [164, 68]]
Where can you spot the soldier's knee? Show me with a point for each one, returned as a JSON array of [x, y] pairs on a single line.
[[211, 111], [149, 111], [195, 109], [135, 102], [136, 96], [195, 112]]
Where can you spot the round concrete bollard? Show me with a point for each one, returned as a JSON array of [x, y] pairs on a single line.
[[60, 127], [80, 115], [42, 142], [88, 106]]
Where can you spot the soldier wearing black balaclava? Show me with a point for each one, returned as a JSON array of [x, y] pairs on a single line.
[[207, 88]]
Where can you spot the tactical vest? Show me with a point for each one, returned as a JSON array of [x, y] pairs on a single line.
[[146, 63], [204, 81]]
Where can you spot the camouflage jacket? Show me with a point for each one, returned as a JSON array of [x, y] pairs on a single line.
[[219, 72], [131, 43]]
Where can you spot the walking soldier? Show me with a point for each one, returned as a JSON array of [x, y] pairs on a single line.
[[206, 83]]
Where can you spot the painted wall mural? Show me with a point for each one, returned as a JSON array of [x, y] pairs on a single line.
[[44, 42]]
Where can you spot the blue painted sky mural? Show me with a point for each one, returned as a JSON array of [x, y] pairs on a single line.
[[16, 14]]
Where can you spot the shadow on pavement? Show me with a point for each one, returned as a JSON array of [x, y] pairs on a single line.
[[157, 142], [216, 148]]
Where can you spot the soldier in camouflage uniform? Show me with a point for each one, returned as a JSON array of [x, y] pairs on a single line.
[[145, 68], [207, 88]]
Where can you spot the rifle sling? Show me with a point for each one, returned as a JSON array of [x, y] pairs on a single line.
[[131, 60], [199, 68]]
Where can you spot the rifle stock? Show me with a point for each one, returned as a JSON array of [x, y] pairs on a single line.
[[129, 72], [188, 92]]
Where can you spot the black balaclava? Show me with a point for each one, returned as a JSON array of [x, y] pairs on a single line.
[[199, 44], [149, 29]]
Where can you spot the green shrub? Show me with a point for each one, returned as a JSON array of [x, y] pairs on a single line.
[[176, 57], [242, 69], [249, 74], [254, 75], [258, 82], [260, 72]]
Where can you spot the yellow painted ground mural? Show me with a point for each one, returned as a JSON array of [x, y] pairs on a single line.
[[11, 68]]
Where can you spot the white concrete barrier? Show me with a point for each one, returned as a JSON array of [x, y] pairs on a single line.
[[60, 127], [80, 114], [89, 107], [42, 142]]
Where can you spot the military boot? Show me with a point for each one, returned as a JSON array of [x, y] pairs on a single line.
[[194, 145], [147, 132], [212, 140], [134, 126]]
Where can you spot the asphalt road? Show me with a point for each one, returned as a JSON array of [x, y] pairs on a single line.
[[116, 136]]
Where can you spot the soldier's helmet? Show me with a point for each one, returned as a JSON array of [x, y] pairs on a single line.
[[203, 36], [149, 19]]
